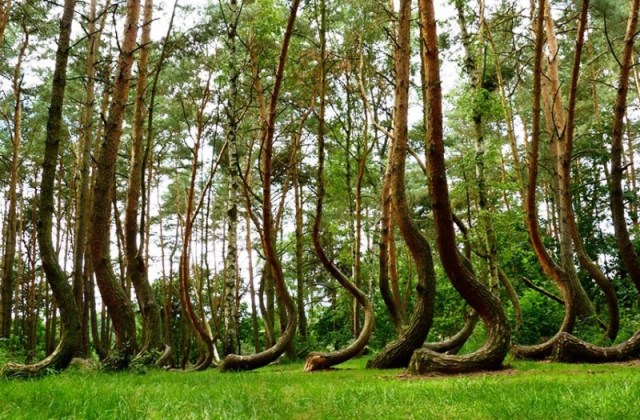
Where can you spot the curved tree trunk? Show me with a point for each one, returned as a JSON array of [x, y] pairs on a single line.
[[549, 267], [569, 348], [398, 353], [136, 267], [556, 123], [587, 263], [191, 212], [321, 361], [70, 334], [113, 294], [234, 362], [493, 351], [625, 246], [386, 227], [453, 344]]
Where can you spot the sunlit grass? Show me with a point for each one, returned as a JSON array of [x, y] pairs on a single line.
[[528, 390]]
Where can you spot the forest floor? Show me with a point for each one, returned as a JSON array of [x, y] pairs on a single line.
[[524, 390]]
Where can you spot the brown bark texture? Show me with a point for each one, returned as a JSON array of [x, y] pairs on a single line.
[[63, 294], [398, 353], [136, 267], [113, 294], [491, 354]]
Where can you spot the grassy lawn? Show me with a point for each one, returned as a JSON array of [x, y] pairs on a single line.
[[528, 390]]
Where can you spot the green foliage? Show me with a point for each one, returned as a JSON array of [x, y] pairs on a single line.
[[541, 318]]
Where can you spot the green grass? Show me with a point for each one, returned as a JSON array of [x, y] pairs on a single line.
[[528, 390]]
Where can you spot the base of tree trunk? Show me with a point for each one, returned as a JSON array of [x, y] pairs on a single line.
[[166, 359], [397, 354], [570, 349], [57, 361], [316, 362], [324, 361], [534, 352], [425, 361], [453, 344]]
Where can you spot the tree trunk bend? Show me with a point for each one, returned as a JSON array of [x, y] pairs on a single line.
[[398, 353], [491, 355]]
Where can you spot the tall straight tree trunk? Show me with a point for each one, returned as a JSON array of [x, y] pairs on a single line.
[[113, 294], [70, 334], [136, 266], [488, 307], [83, 195], [252, 292], [300, 279], [230, 342], [238, 362], [9, 254], [399, 353]]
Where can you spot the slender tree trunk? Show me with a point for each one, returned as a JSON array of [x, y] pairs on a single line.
[[5, 9], [230, 342], [9, 254], [475, 72], [627, 251], [201, 327], [399, 353], [549, 266], [85, 145], [585, 260], [237, 362], [320, 361], [252, 291], [113, 294], [70, 333], [300, 280], [556, 122], [136, 267]]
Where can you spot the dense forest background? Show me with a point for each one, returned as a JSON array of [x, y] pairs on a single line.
[[223, 183]]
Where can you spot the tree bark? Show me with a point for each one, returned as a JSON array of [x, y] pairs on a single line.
[[398, 353], [5, 9], [569, 348], [70, 334], [321, 361], [300, 279], [493, 351], [9, 254], [549, 267], [235, 362], [113, 294], [136, 266], [230, 342], [585, 260], [625, 246]]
